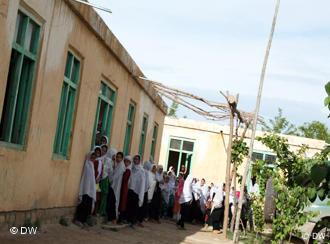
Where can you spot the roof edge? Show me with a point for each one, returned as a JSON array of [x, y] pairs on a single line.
[[103, 32]]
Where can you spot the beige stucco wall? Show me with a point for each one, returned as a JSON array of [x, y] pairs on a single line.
[[30, 178], [211, 139]]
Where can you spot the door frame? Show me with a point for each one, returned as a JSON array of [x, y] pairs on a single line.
[[180, 151]]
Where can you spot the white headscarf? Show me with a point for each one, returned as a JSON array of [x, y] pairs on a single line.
[[159, 176], [107, 164], [152, 182], [129, 158], [186, 195], [99, 159], [112, 151], [147, 167], [106, 138], [87, 183], [137, 181], [218, 197], [116, 180]]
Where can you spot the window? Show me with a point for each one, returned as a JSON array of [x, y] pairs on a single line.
[[23, 62], [257, 156], [153, 142], [268, 158], [104, 113], [67, 106], [143, 135], [180, 154], [129, 128]]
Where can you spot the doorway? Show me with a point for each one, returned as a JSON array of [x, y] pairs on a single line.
[[180, 152]]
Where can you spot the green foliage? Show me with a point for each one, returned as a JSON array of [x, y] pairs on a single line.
[[239, 151], [327, 99], [173, 110], [28, 223], [315, 130], [64, 221], [258, 203], [296, 180], [280, 125]]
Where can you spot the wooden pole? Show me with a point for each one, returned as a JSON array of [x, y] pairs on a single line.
[[228, 170], [255, 120]]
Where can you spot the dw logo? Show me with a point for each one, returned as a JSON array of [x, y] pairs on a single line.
[[23, 230]]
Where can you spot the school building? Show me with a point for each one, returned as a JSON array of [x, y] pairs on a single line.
[[65, 79], [201, 147]]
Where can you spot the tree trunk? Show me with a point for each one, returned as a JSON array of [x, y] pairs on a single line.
[[256, 114], [230, 142]]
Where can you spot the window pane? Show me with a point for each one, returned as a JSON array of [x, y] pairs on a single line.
[[175, 144], [129, 128], [10, 96], [188, 146], [112, 95], [127, 139], [154, 133], [257, 156], [100, 124], [68, 122], [144, 124], [23, 100], [270, 159], [19, 29], [75, 71], [131, 112], [34, 38], [68, 65], [28, 35]]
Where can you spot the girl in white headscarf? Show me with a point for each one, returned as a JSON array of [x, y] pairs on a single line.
[[152, 185], [104, 182], [185, 200], [157, 197], [124, 189], [87, 192], [143, 211], [115, 183], [104, 140], [217, 211], [136, 190]]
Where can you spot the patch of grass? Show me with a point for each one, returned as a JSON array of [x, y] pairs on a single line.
[[64, 221], [37, 223], [28, 223], [251, 238]]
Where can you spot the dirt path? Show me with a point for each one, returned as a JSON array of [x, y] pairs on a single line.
[[165, 233]]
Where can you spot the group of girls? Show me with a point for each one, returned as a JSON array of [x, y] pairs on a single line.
[[120, 188], [123, 190]]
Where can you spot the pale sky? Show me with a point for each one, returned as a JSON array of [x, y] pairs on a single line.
[[211, 45]]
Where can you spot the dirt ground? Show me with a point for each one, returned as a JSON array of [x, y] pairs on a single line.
[[164, 233]]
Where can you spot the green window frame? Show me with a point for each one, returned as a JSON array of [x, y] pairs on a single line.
[[20, 80], [154, 142], [129, 128], [67, 107], [143, 135], [104, 113], [181, 145]]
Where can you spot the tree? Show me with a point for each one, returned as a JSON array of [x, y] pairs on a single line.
[[279, 125], [327, 99], [297, 181], [173, 110], [315, 130]]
